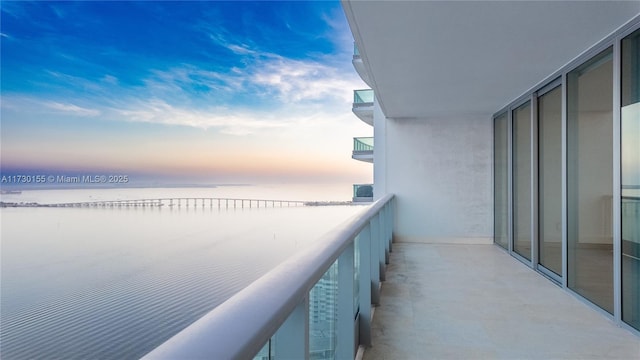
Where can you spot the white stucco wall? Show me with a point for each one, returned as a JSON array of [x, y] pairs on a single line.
[[441, 173]]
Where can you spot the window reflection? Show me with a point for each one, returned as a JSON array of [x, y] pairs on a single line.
[[550, 180], [522, 180], [630, 202], [590, 179]]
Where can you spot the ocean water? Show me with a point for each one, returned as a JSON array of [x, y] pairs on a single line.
[[114, 283], [297, 192]]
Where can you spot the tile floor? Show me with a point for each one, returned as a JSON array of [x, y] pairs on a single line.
[[477, 302]]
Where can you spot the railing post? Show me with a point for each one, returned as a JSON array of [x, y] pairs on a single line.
[[387, 239], [381, 247], [364, 244], [292, 339], [375, 260], [345, 347], [389, 221]]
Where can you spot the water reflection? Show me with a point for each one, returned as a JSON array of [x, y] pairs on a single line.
[[115, 283]]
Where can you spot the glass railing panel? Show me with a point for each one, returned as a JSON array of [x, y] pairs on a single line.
[[267, 352], [356, 275], [363, 190], [363, 144], [363, 96], [356, 52], [323, 316]]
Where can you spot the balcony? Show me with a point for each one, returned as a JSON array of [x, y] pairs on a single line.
[[362, 192], [317, 304], [445, 301], [438, 301], [359, 65], [363, 149], [363, 105]]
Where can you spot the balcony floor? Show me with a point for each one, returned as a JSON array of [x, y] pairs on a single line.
[[477, 302]]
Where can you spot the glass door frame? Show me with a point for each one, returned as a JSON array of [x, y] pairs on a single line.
[[553, 85], [532, 189]]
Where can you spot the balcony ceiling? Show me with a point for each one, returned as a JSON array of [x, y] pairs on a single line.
[[451, 58]]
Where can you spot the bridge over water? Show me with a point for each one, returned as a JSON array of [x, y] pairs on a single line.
[[192, 202], [195, 202]]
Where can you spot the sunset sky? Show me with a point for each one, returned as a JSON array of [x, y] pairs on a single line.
[[199, 91]]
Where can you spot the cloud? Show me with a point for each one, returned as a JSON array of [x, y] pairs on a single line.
[[266, 78], [240, 49], [71, 109], [72, 83], [326, 77], [186, 79], [234, 122], [220, 37], [110, 79], [295, 81], [230, 96], [36, 106]]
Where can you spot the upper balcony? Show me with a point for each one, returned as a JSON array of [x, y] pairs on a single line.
[[363, 105], [362, 193], [363, 149], [359, 65]]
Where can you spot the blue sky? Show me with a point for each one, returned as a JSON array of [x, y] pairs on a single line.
[[213, 91]]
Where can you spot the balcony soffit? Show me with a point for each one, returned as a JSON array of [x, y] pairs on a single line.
[[443, 58]]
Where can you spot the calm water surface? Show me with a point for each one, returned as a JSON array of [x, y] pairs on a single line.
[[115, 283]]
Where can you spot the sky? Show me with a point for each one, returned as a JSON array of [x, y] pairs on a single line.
[[206, 91]]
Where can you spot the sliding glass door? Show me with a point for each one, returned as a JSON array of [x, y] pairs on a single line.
[[500, 181], [590, 180], [550, 180], [567, 176], [630, 202], [522, 180]]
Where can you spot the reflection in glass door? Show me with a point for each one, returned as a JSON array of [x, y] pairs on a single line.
[[590, 180], [630, 202], [522, 180], [550, 180]]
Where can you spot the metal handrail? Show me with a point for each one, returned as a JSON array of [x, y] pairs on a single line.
[[239, 327], [362, 144]]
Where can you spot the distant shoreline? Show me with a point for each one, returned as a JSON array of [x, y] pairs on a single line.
[[8, 188], [158, 203]]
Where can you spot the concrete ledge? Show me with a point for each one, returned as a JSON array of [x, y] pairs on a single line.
[[444, 240]]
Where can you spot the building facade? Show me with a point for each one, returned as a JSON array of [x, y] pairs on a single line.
[[514, 123]]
